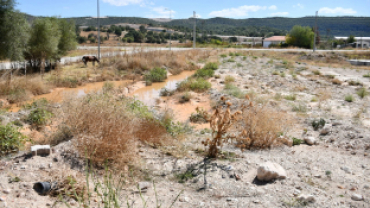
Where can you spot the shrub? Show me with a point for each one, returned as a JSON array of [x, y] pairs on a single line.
[[156, 75], [355, 83], [165, 92], [297, 141], [11, 140], [229, 79], [198, 117], [223, 55], [300, 108], [63, 134], [316, 72], [217, 76], [211, 65], [336, 81], [185, 97], [252, 127], [231, 60], [204, 73], [290, 97], [39, 117], [316, 124], [108, 86], [362, 92], [367, 75], [197, 85], [275, 73], [349, 98], [233, 90]]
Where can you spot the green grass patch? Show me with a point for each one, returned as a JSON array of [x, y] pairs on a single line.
[[349, 98], [290, 97], [11, 140], [211, 65], [197, 85], [362, 92], [233, 90], [204, 73], [156, 75]]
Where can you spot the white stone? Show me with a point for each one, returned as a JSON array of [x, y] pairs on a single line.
[[270, 171], [144, 185], [307, 198], [43, 150], [296, 192], [326, 129], [183, 199], [357, 197], [310, 140]]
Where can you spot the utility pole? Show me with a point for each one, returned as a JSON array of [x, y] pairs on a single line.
[[98, 31], [315, 30], [170, 30], [194, 32]]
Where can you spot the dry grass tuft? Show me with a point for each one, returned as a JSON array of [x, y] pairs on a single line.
[[107, 129]]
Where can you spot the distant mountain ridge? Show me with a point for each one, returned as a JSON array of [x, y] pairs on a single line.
[[334, 26]]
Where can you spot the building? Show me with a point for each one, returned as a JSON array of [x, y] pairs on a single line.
[[360, 42], [274, 40]]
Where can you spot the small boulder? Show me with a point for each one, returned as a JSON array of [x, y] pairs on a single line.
[[357, 197], [326, 129], [270, 171], [144, 186], [310, 140], [307, 198]]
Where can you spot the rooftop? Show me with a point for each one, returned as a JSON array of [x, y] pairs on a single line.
[[275, 38]]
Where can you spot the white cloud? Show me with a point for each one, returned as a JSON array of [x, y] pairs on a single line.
[[301, 6], [337, 10], [279, 14], [272, 7], [162, 12], [237, 12], [122, 2]]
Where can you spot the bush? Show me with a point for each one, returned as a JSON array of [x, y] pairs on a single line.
[[11, 140], [165, 92], [197, 85], [316, 124], [290, 97], [211, 65], [297, 141], [223, 55], [349, 98], [367, 75], [108, 86], [301, 37], [198, 117], [204, 73], [233, 90], [157, 75], [336, 81], [316, 72], [362, 92], [229, 79], [355, 83], [185, 97], [39, 117]]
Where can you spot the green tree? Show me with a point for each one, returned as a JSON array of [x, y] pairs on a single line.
[[301, 37], [13, 31], [142, 29], [67, 39], [351, 39], [118, 32], [44, 40]]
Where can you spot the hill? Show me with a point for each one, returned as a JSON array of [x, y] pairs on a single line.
[[332, 26]]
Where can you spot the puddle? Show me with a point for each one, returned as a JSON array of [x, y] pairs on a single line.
[[148, 94]]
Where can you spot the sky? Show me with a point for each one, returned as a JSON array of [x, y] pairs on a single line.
[[179, 9]]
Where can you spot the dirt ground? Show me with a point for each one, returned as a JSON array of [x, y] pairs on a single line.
[[335, 170]]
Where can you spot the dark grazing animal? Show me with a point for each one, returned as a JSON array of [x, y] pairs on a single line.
[[86, 59]]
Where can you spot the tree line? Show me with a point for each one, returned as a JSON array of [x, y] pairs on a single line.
[[47, 38]]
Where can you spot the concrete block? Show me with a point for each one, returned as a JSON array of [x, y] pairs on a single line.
[[40, 150]]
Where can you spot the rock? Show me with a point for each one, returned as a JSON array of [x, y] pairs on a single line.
[[307, 198], [351, 135], [183, 199], [144, 186], [310, 140], [270, 171], [326, 129], [296, 192], [41, 150], [346, 169], [357, 197], [6, 191], [2, 198], [366, 186], [237, 177]]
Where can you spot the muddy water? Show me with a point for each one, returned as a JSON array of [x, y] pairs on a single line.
[[148, 94]]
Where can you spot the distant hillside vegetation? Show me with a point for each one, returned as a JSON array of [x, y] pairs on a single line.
[[333, 26]]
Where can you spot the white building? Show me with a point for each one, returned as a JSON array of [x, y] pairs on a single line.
[[360, 42]]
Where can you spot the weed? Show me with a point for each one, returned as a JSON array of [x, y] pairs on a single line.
[[233, 90], [11, 139], [156, 75], [328, 173], [185, 97], [367, 75], [244, 58], [297, 141], [230, 60], [165, 92], [300, 108], [314, 99], [204, 73], [229, 79], [239, 65], [39, 117], [223, 55], [362, 92], [290, 97], [182, 178], [217, 76], [278, 96], [316, 72], [197, 85], [211, 65], [318, 123], [336, 81], [283, 74], [15, 179], [198, 117], [108, 87], [355, 83], [349, 98], [275, 73]]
